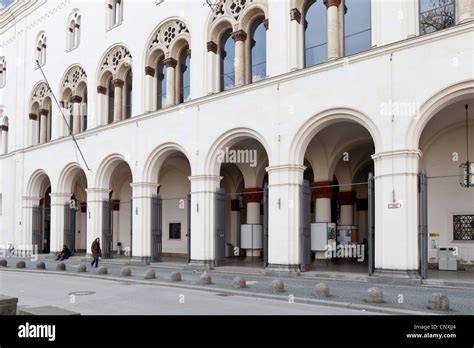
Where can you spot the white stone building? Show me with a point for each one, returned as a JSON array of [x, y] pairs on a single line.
[[175, 100]]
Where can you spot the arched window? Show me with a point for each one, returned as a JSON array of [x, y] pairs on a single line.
[[161, 83], [315, 33], [40, 50], [74, 100], [436, 15], [111, 98], [128, 94], [227, 55], [184, 75], [357, 27], [40, 114], [114, 13], [258, 56], [74, 34], [3, 72]]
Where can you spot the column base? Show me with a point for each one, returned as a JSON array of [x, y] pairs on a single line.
[[200, 265], [282, 270], [396, 274], [140, 259]]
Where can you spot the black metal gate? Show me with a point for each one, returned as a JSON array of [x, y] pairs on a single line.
[[423, 223], [156, 229], [220, 228], [107, 230], [371, 223], [70, 227], [37, 227], [131, 228], [188, 235], [305, 224], [265, 226]]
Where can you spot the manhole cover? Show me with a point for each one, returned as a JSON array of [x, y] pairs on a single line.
[[82, 293], [224, 294]]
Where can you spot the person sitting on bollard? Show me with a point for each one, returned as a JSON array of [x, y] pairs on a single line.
[[64, 254]]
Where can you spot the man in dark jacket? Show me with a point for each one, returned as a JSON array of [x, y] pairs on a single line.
[[64, 254]]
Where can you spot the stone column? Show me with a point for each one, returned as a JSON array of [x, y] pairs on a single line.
[[465, 11], [362, 211], [76, 114], [297, 44], [234, 222], [212, 68], [118, 84], [334, 29], [239, 37], [33, 129], [44, 125], [24, 241], [101, 106], [346, 201], [58, 200], [170, 80], [396, 228], [253, 198], [95, 199], [142, 193], [203, 190], [4, 137], [150, 91], [284, 222], [322, 193]]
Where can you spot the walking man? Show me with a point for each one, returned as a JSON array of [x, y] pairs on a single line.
[[96, 252]]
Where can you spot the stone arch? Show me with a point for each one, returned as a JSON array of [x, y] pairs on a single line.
[[106, 169], [449, 95], [35, 187], [117, 60], [229, 138], [68, 175], [72, 78], [311, 127], [158, 157]]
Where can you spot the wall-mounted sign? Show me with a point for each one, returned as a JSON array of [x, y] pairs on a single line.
[[396, 205], [434, 234]]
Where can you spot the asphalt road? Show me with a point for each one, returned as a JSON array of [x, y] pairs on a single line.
[[97, 296]]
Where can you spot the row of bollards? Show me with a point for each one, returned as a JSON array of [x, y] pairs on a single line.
[[437, 301]]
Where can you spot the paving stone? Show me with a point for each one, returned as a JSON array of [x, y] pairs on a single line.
[[82, 268], [278, 285], [240, 283], [61, 267], [205, 279], [40, 265], [150, 274], [321, 290], [20, 264], [126, 272], [374, 295], [103, 270], [438, 302], [175, 277]]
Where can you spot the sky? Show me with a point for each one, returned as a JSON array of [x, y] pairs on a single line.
[[5, 3]]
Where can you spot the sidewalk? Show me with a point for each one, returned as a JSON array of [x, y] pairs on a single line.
[[347, 291]]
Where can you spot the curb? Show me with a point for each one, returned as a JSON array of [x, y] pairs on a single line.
[[338, 304]]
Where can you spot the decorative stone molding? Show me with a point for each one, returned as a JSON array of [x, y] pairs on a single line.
[[44, 112], [346, 198], [118, 83], [252, 195], [149, 71], [40, 92], [168, 33], [330, 3], [170, 62], [76, 99], [74, 76], [322, 189], [212, 47], [4, 128], [266, 24], [33, 117], [232, 8], [101, 90], [295, 15], [239, 35], [114, 59]]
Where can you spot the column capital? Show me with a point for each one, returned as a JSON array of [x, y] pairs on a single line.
[[212, 47], [253, 195], [406, 153], [149, 71], [4, 128], [239, 35], [266, 24], [101, 90], [170, 62], [33, 117], [44, 112], [118, 83], [295, 15], [346, 198], [76, 99], [330, 3], [322, 189]]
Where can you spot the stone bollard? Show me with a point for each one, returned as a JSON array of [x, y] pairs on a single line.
[[438, 302], [240, 283], [21, 264], [205, 279], [3, 263], [61, 267], [374, 295], [102, 270], [40, 265], [8, 305], [82, 268], [321, 290], [126, 272], [278, 285], [175, 277], [150, 274]]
